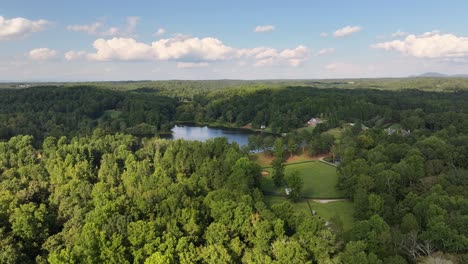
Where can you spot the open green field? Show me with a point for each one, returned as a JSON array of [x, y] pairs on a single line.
[[306, 128], [319, 180], [336, 132], [344, 209], [264, 159]]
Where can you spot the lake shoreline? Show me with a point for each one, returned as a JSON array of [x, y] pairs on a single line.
[[223, 126]]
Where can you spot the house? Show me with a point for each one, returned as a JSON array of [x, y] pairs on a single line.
[[363, 127], [262, 127], [288, 191], [314, 121], [401, 131]]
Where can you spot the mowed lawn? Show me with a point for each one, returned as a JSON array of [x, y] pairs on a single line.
[[264, 159], [343, 209], [319, 180]]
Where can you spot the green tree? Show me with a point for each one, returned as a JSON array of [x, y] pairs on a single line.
[[278, 172], [295, 183]]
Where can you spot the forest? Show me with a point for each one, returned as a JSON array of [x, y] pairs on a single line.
[[56, 111], [85, 179]]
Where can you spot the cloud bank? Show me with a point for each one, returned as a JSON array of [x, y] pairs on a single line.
[[189, 50], [433, 45]]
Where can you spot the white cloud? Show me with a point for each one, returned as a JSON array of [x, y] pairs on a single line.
[[265, 28], [428, 45], [42, 54], [159, 32], [186, 65], [193, 50], [91, 29], [399, 34], [120, 49], [325, 51], [266, 56], [19, 27], [346, 31], [324, 34], [98, 28], [74, 55]]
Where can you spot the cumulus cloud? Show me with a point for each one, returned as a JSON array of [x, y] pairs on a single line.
[[325, 51], [186, 65], [265, 28], [98, 28], [75, 55], [178, 48], [19, 27], [159, 32], [42, 54], [265, 56], [346, 31], [193, 50], [120, 49], [432, 45]]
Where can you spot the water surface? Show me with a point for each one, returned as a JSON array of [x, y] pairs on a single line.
[[203, 133]]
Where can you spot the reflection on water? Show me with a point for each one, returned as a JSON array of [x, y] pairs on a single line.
[[203, 133]]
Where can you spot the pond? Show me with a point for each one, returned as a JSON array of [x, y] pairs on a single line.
[[203, 133]]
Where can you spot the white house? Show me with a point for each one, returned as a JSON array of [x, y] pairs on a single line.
[[314, 121]]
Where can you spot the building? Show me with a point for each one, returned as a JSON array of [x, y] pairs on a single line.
[[401, 131], [314, 121], [363, 127]]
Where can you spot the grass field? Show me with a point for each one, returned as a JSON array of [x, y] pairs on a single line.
[[319, 180], [344, 209], [264, 159], [336, 132]]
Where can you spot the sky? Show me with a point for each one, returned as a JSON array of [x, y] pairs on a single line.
[[56, 40]]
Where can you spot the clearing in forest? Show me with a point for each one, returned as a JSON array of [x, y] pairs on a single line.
[[319, 180]]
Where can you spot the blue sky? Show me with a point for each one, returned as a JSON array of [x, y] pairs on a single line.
[[121, 40]]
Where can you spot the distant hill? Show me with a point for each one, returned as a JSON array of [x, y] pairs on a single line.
[[440, 75]]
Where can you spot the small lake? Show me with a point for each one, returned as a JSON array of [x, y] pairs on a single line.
[[203, 133]]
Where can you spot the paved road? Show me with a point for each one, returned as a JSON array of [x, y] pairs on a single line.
[[328, 200]]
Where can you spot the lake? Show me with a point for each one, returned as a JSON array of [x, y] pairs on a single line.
[[203, 133]]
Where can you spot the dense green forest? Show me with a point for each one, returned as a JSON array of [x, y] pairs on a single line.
[[114, 199], [283, 110], [58, 111], [409, 191], [79, 183]]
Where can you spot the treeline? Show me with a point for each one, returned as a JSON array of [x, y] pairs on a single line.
[[282, 110], [58, 111], [410, 191], [315, 141], [116, 199]]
